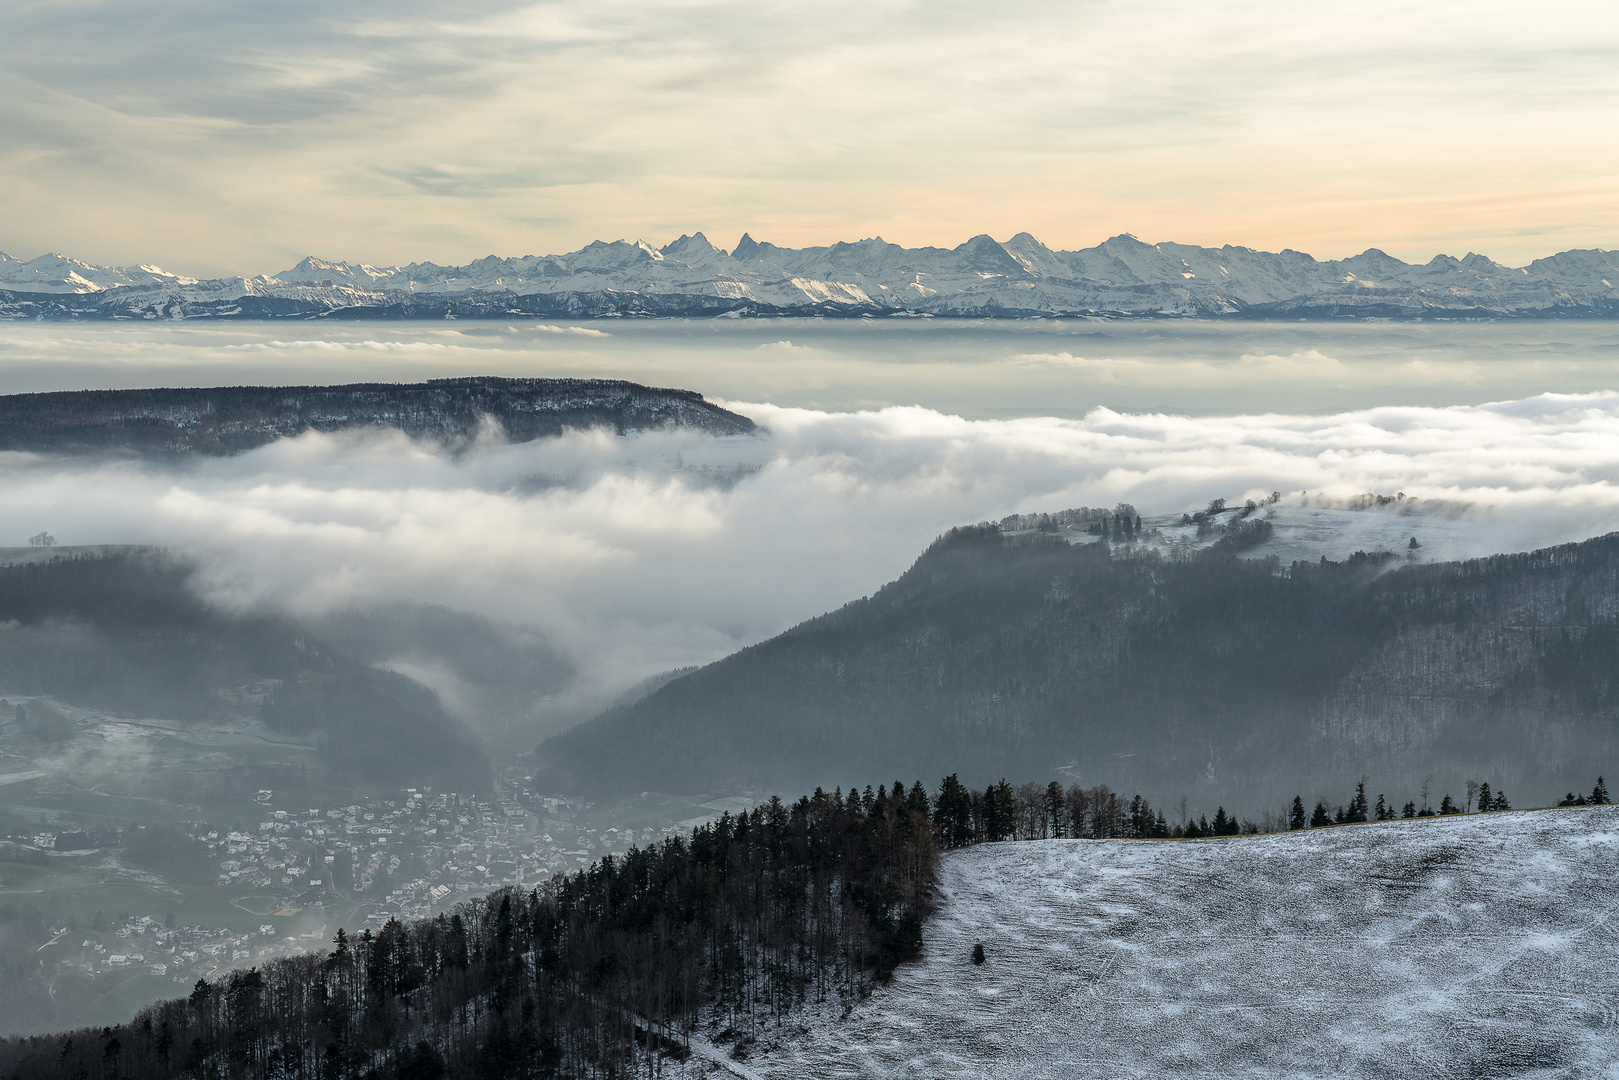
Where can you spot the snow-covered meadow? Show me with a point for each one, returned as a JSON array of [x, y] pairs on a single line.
[[1482, 946]]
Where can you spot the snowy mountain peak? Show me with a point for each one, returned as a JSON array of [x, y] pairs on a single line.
[[320, 272], [694, 244], [1124, 275], [984, 255], [54, 273]]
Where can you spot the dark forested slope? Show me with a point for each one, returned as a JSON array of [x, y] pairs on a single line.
[[1208, 675], [124, 633], [227, 420], [752, 919]]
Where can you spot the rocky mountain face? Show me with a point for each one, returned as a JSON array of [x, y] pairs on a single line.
[[981, 278], [1223, 679], [227, 420]]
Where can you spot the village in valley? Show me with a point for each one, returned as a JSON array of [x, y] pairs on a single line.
[[286, 883]]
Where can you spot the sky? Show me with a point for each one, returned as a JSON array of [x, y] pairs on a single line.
[[221, 138]]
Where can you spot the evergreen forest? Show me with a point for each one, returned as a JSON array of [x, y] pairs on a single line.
[[616, 970], [1199, 673]]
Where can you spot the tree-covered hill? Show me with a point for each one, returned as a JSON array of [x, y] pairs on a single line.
[[606, 973], [1199, 676], [225, 420], [124, 633]]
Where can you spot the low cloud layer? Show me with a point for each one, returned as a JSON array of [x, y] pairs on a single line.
[[636, 555], [990, 369]]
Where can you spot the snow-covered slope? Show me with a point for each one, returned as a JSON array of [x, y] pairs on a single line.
[[981, 277], [1484, 946], [60, 274]]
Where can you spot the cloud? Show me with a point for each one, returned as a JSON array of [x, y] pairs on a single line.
[[633, 555], [576, 331], [235, 138]]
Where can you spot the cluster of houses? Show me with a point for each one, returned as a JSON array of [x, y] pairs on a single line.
[[184, 953], [416, 854], [411, 856]]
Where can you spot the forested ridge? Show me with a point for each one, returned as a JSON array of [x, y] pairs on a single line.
[[613, 971], [600, 974], [1205, 675], [231, 419]]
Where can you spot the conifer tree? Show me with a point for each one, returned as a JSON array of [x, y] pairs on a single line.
[[1055, 804], [1448, 806], [1410, 810], [1357, 805], [1599, 794], [1382, 812], [1486, 801], [953, 816], [918, 800], [1295, 815], [1321, 816]]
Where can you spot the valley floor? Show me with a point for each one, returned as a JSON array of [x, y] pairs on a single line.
[[1483, 946]]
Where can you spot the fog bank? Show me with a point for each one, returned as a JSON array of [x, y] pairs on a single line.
[[633, 555]]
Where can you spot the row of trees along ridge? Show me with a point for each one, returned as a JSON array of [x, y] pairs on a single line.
[[609, 972]]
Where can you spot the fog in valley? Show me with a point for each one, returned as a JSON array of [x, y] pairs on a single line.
[[979, 369], [559, 540], [221, 716], [631, 556]]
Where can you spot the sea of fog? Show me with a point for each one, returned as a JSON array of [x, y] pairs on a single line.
[[979, 370], [634, 555]]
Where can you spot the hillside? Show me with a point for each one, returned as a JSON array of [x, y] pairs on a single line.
[[1480, 947], [123, 634], [1207, 676], [979, 278], [1477, 946], [226, 420]]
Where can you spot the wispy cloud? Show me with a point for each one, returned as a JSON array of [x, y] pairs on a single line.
[[235, 138]]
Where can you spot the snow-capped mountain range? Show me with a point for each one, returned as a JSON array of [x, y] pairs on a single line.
[[983, 277]]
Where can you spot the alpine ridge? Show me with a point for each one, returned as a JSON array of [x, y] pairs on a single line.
[[981, 278]]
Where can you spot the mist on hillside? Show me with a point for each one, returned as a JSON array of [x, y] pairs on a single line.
[[627, 556]]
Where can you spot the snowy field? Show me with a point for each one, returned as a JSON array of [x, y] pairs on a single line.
[[1307, 529], [1472, 947]]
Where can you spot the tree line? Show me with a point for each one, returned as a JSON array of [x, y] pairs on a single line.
[[603, 973], [610, 971]]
